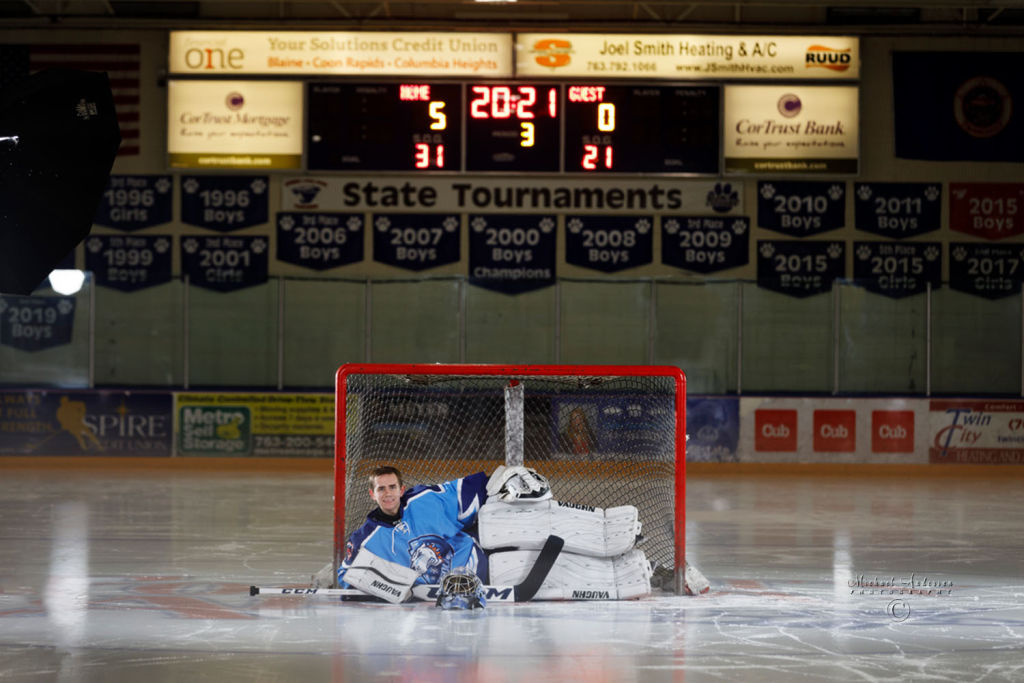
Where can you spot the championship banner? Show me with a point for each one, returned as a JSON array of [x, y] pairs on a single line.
[[129, 262], [712, 429], [987, 210], [416, 241], [958, 106], [224, 203], [705, 244], [320, 240], [896, 269], [521, 195], [799, 269], [794, 129], [261, 425], [224, 264], [992, 271], [897, 210], [609, 243], [510, 253], [801, 208], [133, 202], [35, 323], [976, 431], [114, 423]]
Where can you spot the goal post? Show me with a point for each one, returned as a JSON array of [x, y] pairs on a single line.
[[604, 435]]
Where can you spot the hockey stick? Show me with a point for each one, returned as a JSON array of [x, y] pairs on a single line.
[[521, 592]]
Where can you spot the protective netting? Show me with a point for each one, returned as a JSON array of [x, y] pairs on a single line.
[[600, 440]]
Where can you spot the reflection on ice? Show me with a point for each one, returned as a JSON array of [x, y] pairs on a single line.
[[66, 595]]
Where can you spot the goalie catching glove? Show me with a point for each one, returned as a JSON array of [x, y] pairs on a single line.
[[515, 483]]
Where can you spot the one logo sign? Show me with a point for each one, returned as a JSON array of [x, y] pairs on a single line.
[[224, 203], [982, 106], [608, 243], [552, 52], [800, 209], [892, 431], [799, 268], [775, 431], [898, 210], [304, 193], [512, 253], [822, 56], [34, 323], [215, 430], [992, 271], [835, 431], [897, 269], [129, 262], [722, 198], [224, 264], [416, 241], [705, 244], [133, 202], [320, 240]]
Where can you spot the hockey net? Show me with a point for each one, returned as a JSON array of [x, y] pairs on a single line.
[[603, 435]]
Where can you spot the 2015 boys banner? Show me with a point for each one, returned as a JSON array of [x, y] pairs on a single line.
[[512, 253], [608, 243], [129, 262], [799, 269], [897, 210], [34, 323], [992, 271], [224, 203], [801, 208], [319, 240], [224, 264], [416, 241], [897, 269], [133, 202], [705, 244], [988, 210]]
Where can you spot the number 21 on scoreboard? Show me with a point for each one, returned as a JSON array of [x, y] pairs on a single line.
[[597, 149]]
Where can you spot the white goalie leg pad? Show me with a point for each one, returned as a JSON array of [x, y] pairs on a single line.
[[379, 577], [586, 530], [578, 577]]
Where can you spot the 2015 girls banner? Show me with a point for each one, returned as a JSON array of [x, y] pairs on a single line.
[[224, 264], [705, 244], [799, 269], [85, 423], [801, 208], [992, 271], [958, 106], [988, 210], [511, 253], [133, 202], [320, 241], [897, 269], [416, 241], [608, 243], [34, 323], [897, 210], [224, 203], [129, 262]]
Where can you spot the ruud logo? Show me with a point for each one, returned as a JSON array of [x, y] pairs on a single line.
[[552, 52], [892, 431], [775, 431], [835, 431], [828, 58]]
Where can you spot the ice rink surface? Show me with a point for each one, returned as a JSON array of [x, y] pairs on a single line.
[[144, 577]]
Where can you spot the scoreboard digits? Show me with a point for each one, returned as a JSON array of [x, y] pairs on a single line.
[[513, 127]]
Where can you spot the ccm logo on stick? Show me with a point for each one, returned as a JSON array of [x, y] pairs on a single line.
[[775, 431], [892, 431], [835, 431]]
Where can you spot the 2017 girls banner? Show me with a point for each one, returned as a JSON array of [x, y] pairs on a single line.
[[992, 271], [897, 269], [958, 106], [129, 262], [801, 208], [705, 244], [85, 423], [133, 202], [799, 269], [224, 203], [988, 210], [320, 241], [897, 210], [976, 431], [416, 241], [609, 243], [224, 264], [34, 323], [512, 253]]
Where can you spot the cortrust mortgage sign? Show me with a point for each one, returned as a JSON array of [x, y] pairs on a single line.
[[351, 53]]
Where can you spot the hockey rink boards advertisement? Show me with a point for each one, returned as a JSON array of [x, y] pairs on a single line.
[[976, 432]]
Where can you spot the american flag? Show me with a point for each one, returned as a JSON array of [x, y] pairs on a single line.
[[119, 61]]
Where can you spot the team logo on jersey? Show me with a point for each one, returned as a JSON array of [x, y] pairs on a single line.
[[402, 528], [431, 556]]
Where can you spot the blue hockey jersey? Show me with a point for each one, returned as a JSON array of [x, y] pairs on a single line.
[[434, 531]]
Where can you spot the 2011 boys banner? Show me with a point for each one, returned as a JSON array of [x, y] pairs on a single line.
[[897, 210]]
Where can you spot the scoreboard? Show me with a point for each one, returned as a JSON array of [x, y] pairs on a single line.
[[513, 127]]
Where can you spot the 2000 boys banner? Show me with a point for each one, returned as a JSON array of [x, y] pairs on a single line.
[[512, 253]]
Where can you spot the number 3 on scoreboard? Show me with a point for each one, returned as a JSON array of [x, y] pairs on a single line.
[[527, 134]]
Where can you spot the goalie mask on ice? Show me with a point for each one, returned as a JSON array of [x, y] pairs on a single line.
[[460, 589]]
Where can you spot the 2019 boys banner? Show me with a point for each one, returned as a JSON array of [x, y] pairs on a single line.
[[35, 323]]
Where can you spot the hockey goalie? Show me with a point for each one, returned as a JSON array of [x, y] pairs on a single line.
[[497, 530]]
